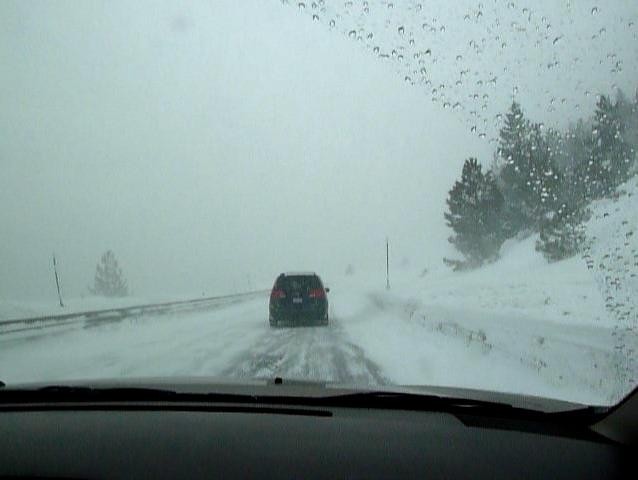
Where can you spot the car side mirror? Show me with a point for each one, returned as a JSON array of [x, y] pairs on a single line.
[[327, 290]]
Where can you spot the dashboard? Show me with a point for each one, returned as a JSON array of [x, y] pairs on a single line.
[[182, 440]]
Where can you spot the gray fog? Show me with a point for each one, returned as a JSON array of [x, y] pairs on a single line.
[[213, 144]]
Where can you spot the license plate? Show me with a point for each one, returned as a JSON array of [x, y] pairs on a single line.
[[297, 300]]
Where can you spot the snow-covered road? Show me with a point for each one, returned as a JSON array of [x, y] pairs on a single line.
[[231, 341]]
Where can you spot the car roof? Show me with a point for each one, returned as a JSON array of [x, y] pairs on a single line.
[[299, 274]]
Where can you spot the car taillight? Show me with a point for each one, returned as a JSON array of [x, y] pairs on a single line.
[[316, 293], [278, 294]]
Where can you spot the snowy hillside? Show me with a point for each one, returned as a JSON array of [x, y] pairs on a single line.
[[566, 329]]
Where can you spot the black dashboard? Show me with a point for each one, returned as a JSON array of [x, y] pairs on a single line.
[[182, 440]]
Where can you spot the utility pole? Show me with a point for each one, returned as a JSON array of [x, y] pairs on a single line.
[[387, 263], [57, 280]]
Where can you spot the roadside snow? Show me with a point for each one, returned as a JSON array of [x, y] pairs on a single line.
[[565, 330]]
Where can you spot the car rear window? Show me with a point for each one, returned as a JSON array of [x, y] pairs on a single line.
[[298, 282]]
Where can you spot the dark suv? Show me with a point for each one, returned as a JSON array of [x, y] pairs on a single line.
[[298, 299]]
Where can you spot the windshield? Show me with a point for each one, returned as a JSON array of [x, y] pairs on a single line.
[[457, 178]]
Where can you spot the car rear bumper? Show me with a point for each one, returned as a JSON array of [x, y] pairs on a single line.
[[299, 318]]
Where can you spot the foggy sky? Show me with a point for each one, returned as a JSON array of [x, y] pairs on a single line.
[[207, 143]]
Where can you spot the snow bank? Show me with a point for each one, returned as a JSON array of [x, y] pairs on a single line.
[[564, 330]]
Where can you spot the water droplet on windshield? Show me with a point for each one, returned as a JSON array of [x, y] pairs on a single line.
[[401, 30], [301, 6], [594, 11]]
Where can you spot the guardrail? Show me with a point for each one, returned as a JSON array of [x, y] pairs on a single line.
[[119, 313]]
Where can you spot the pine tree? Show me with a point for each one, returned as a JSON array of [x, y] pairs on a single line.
[[562, 235], [475, 206], [530, 177], [109, 280], [511, 150], [577, 151], [610, 156]]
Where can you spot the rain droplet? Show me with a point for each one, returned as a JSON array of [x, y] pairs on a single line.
[[594, 11], [301, 5], [473, 129], [401, 30], [352, 34], [332, 23], [315, 17], [375, 49]]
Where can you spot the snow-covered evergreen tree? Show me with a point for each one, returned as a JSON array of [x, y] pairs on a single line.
[[562, 234], [577, 153], [530, 176], [475, 206], [511, 150], [109, 280], [611, 157]]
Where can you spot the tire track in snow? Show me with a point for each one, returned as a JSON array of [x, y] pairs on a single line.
[[307, 353]]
